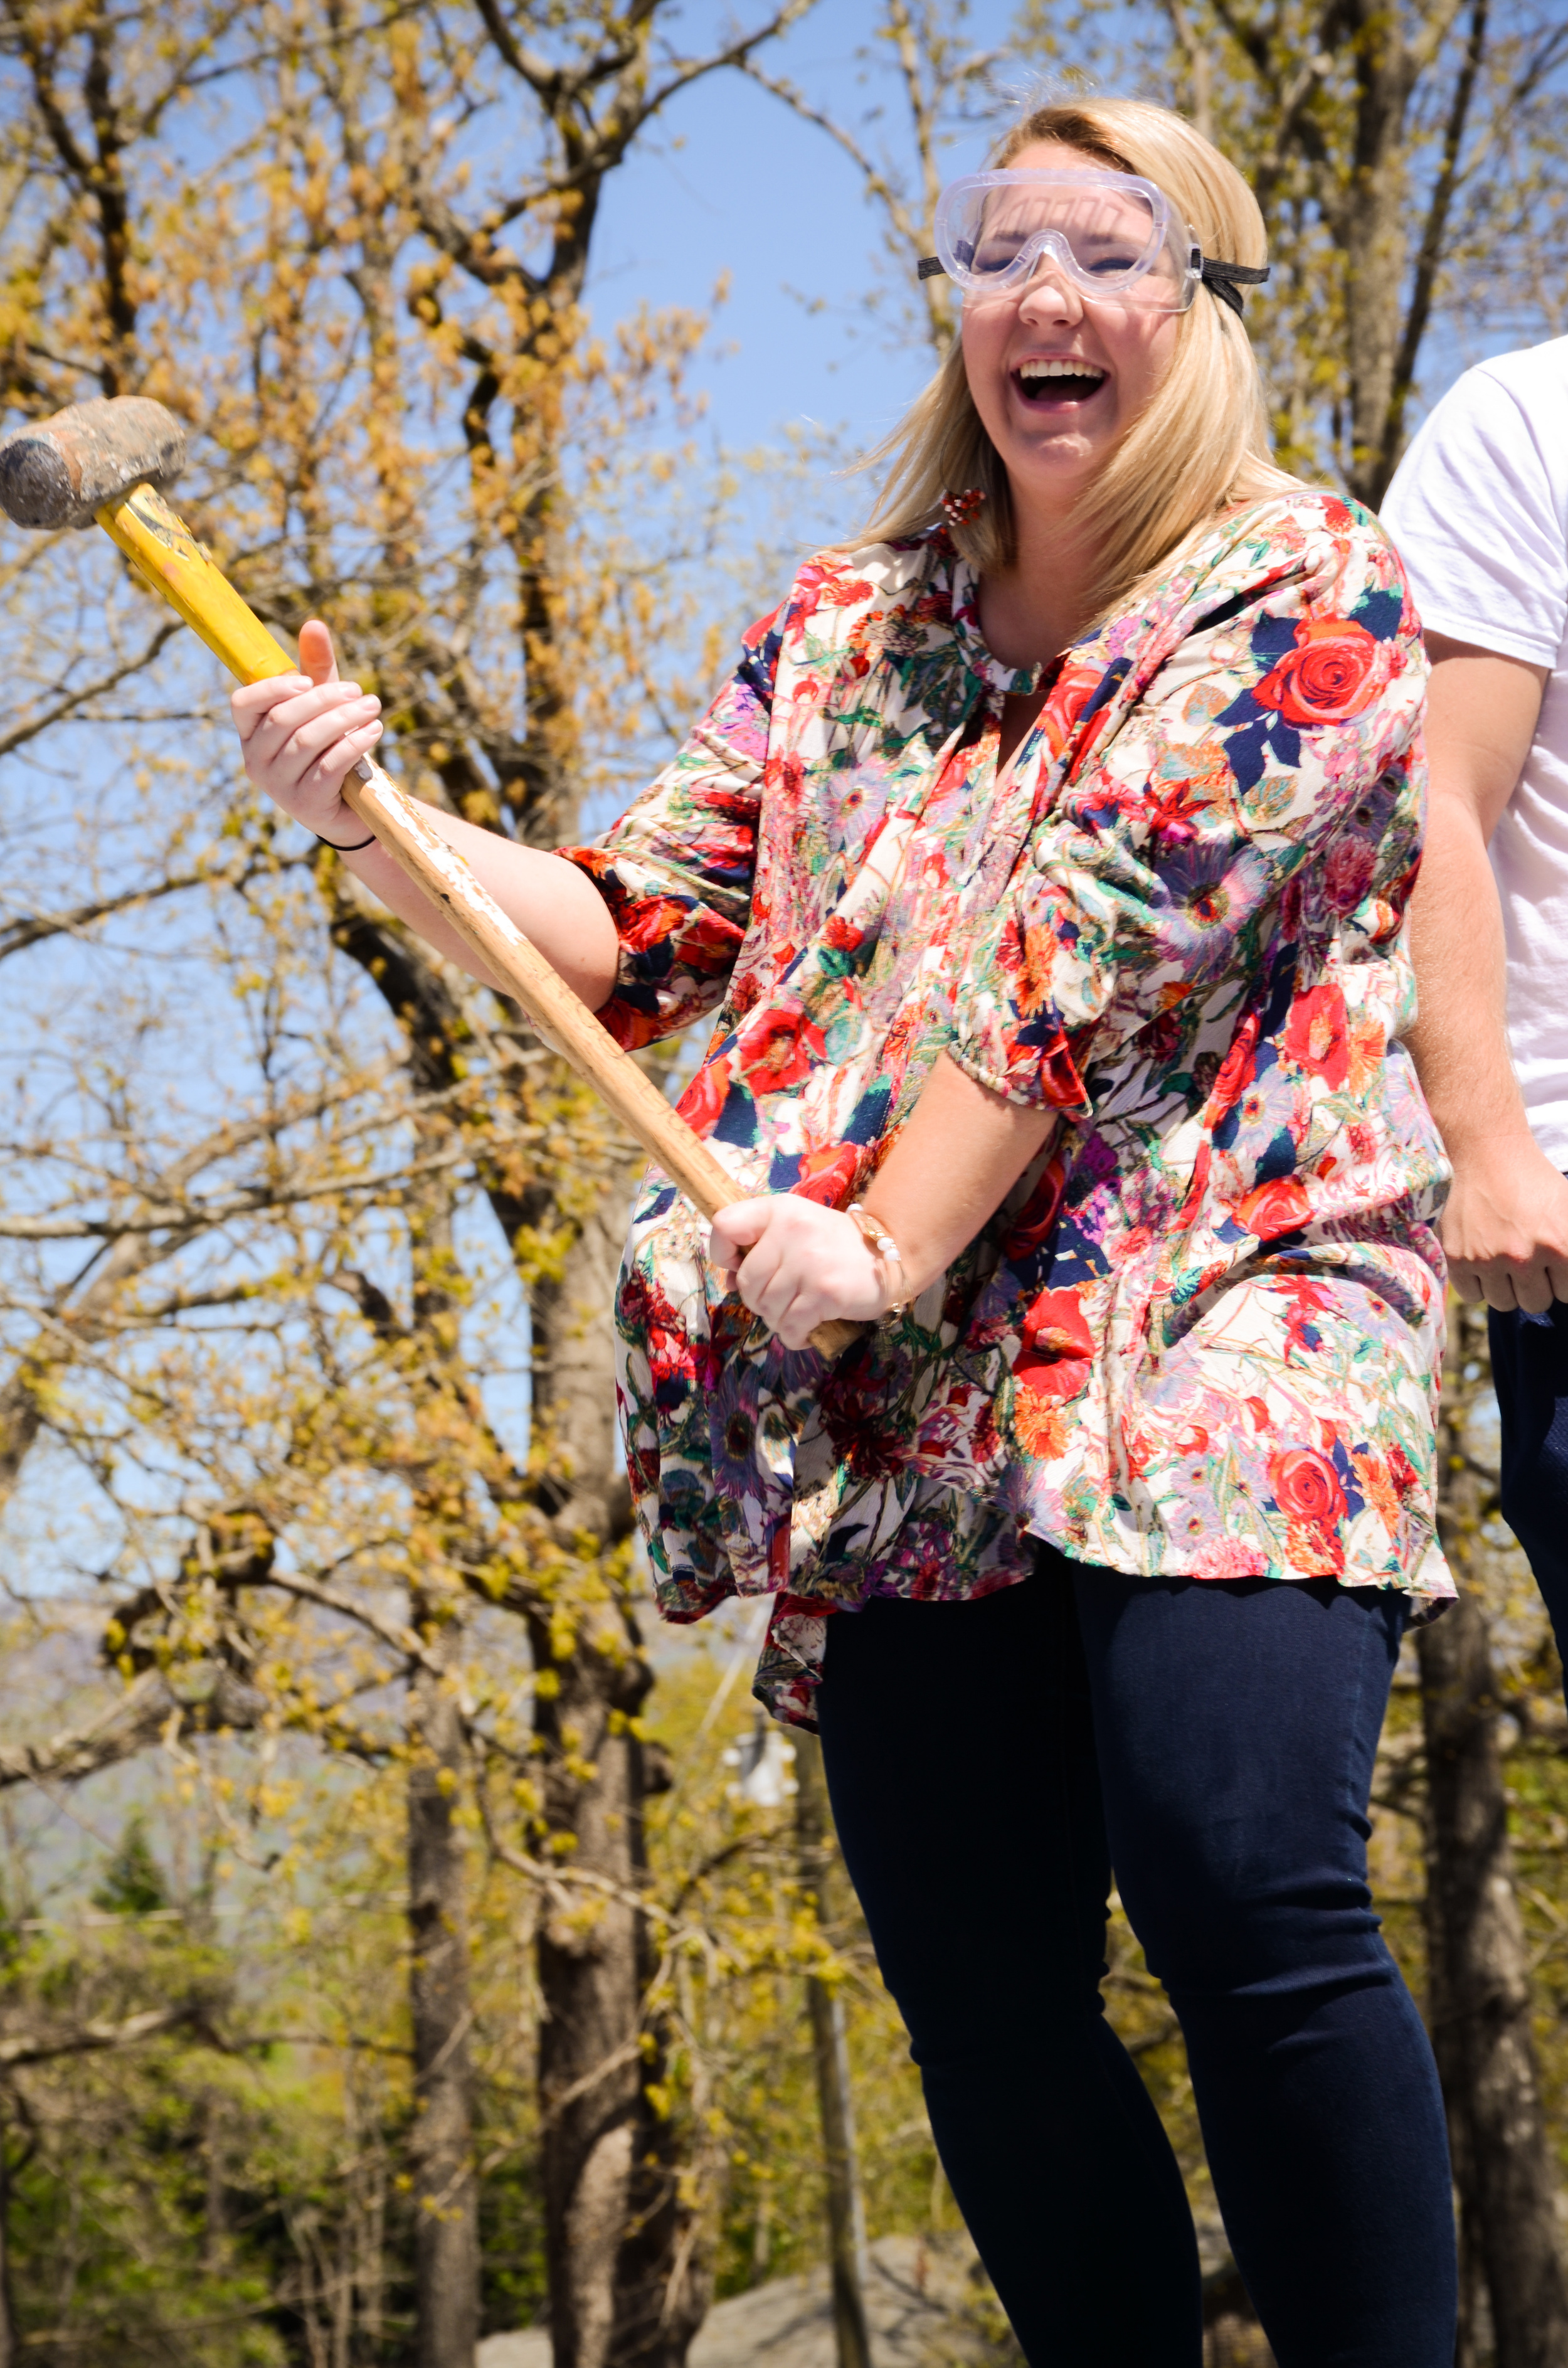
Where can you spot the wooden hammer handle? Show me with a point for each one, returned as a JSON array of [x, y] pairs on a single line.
[[173, 563]]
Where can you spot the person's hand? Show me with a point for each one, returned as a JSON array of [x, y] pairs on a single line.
[[301, 734], [796, 1263], [1506, 1226]]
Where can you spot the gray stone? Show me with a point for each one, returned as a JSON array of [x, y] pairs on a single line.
[[920, 2304], [528, 2349]]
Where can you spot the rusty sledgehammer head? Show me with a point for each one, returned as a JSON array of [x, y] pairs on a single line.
[[60, 472], [105, 461]]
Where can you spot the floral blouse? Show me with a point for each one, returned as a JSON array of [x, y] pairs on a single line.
[[1201, 1335]]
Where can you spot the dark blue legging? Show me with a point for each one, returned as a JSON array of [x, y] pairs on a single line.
[[1222, 1736], [1529, 1366]]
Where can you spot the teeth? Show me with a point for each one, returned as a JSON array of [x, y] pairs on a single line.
[[1028, 370]]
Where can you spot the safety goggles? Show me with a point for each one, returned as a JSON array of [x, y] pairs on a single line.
[[1112, 234]]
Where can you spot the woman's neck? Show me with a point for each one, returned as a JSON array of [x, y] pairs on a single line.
[[1031, 610]]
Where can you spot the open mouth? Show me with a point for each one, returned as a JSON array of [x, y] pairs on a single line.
[[1048, 386]]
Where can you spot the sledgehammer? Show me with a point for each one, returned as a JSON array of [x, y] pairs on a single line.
[[108, 460]]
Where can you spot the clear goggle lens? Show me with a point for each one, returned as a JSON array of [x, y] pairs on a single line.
[[1112, 234]]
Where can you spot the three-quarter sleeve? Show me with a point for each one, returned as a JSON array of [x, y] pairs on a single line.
[[1279, 734], [676, 870]]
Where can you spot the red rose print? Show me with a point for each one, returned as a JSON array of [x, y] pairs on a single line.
[[1306, 1487], [670, 1357], [1336, 670], [1034, 1221], [1280, 1207], [1051, 1377], [1070, 693], [828, 1176], [629, 1028], [1348, 873], [1059, 1081], [778, 1051], [650, 921], [1055, 1325], [1161, 1038], [707, 934], [1058, 1344], [1235, 1071], [739, 804], [1316, 1035], [853, 1405], [704, 1098], [844, 937]]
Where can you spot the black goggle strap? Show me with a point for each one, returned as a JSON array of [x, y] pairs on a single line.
[[1226, 279]]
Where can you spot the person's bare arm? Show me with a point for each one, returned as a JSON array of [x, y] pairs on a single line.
[[1505, 1225], [302, 733], [960, 1155]]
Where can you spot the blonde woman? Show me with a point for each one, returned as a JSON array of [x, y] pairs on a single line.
[[1045, 862]]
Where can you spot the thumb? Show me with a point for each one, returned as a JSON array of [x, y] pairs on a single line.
[[316, 656], [736, 1229]]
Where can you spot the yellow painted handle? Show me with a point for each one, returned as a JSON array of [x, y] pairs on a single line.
[[167, 555], [164, 551]]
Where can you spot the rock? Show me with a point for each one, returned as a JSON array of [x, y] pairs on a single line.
[[920, 2305], [528, 2349]]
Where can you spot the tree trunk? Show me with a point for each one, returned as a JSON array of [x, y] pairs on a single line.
[[10, 2352], [1479, 1977], [846, 2208], [446, 2241], [630, 2278], [1372, 225]]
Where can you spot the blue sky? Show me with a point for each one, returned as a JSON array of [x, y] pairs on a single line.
[[732, 182]]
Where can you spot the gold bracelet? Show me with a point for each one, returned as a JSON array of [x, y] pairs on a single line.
[[881, 1245]]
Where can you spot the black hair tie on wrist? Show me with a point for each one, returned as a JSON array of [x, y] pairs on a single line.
[[352, 848], [1226, 281]]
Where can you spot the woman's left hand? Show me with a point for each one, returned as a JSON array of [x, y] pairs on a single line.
[[796, 1264]]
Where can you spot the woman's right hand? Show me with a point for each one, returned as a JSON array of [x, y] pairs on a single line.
[[302, 733]]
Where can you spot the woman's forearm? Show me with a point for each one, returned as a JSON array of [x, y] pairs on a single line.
[[303, 733], [960, 1153], [956, 1159], [555, 905]]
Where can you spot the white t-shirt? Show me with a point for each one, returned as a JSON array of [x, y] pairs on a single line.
[[1478, 511]]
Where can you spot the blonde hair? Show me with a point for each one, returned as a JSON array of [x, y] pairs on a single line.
[[1199, 445]]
